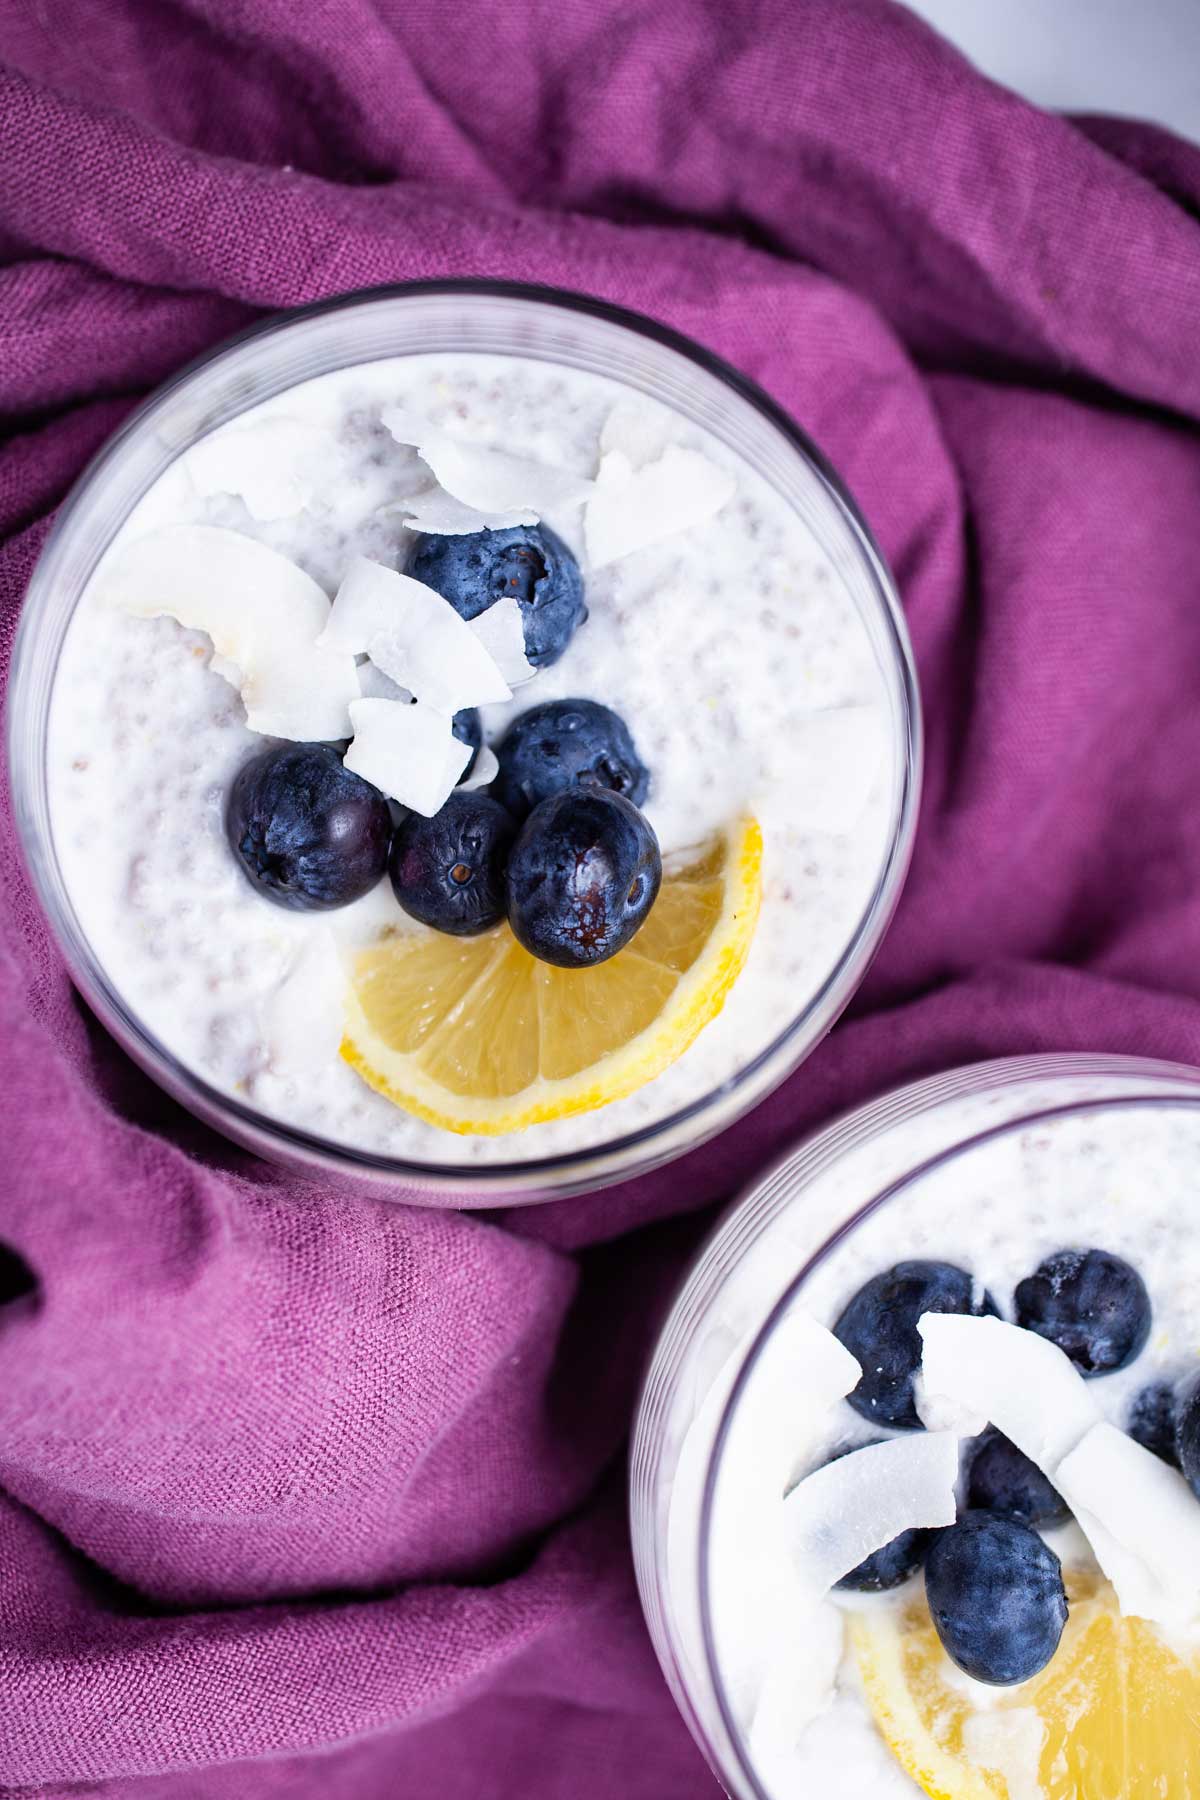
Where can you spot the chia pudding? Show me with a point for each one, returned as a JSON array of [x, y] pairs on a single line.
[[1030, 1202], [732, 650]]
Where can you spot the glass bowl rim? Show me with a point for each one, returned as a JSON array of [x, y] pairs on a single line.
[[564, 1172], [1019, 1068]]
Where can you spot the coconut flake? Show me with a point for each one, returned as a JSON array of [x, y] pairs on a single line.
[[852, 1507], [830, 761], [1020, 1382], [302, 1019], [373, 684], [803, 1372], [275, 464], [500, 628], [415, 637], [409, 752], [486, 769], [633, 435], [436, 511], [490, 481], [262, 613], [809, 1371], [755, 1476], [1142, 1521], [632, 508], [295, 696]]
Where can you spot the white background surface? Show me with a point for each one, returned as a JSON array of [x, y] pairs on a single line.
[[1139, 58]]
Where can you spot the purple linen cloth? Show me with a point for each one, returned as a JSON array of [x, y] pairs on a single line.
[[303, 1493]]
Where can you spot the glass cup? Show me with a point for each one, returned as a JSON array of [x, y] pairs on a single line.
[[779, 1246], [444, 317]]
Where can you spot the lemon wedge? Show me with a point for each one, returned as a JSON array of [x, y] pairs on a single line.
[[1115, 1715], [475, 1035]]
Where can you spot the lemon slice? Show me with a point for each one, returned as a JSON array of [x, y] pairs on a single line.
[[475, 1035], [1115, 1715]]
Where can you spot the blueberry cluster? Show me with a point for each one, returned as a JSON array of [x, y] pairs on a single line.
[[558, 846], [569, 860], [994, 1588]]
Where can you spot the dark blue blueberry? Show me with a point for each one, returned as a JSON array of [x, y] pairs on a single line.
[[879, 1327], [467, 727], [308, 833], [894, 1563], [1092, 1304], [567, 743], [582, 876], [1003, 1480], [448, 871], [1152, 1421], [996, 1597], [528, 562], [1188, 1438], [890, 1567]]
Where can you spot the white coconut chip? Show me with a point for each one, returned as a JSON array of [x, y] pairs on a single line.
[[830, 761], [303, 1018], [275, 465], [803, 1372], [415, 636], [488, 480], [634, 432], [501, 631], [262, 613], [373, 684], [409, 752], [1022, 1383], [294, 696], [1142, 1521], [436, 511], [632, 508], [842, 1513], [486, 769], [806, 1372]]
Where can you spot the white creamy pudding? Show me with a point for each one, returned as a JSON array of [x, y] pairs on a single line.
[[716, 629], [953, 1533]]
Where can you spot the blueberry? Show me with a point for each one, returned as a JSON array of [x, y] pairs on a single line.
[[892, 1565], [308, 833], [1003, 1480], [467, 727], [448, 871], [1092, 1304], [565, 743], [996, 1596], [582, 876], [529, 562], [1188, 1438], [1152, 1421], [879, 1327]]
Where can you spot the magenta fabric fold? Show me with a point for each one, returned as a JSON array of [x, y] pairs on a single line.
[[305, 1493]]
